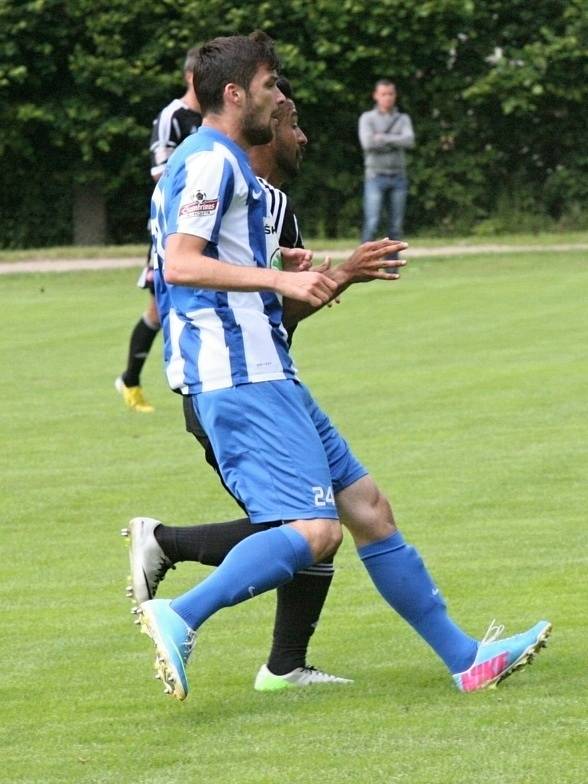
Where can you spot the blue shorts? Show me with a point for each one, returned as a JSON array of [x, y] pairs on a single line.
[[278, 453]]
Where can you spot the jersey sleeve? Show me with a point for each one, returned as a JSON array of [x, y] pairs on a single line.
[[290, 236], [205, 195], [164, 140]]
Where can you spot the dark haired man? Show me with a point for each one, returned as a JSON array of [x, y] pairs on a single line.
[[276, 450], [155, 547]]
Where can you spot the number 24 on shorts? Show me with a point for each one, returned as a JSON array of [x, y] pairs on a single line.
[[323, 496]]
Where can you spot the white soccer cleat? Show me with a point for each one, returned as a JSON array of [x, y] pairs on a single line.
[[301, 676], [148, 562]]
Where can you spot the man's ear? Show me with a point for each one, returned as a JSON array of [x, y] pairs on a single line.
[[234, 94]]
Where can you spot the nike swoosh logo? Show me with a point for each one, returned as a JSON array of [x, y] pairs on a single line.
[[255, 195]]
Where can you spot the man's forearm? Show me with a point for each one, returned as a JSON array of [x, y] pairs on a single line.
[[205, 273]]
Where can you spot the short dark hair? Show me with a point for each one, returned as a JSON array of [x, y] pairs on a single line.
[[234, 58], [285, 88]]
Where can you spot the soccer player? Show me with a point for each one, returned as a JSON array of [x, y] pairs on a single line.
[[277, 451], [154, 548], [173, 124]]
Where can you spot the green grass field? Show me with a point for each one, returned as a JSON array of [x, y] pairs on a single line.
[[139, 251], [462, 387]]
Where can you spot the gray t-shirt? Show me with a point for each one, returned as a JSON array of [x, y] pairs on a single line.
[[384, 136]]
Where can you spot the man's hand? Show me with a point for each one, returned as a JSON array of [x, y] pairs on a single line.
[[311, 287], [296, 259], [368, 262]]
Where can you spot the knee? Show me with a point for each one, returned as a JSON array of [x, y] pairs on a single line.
[[328, 536], [151, 315], [366, 512], [323, 536]]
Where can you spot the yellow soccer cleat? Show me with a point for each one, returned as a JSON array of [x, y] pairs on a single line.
[[133, 397]]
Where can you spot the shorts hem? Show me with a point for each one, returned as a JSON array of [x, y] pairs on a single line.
[[350, 480], [324, 514]]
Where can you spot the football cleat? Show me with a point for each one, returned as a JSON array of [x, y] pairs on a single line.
[[133, 397], [174, 641], [301, 676], [497, 659], [148, 561]]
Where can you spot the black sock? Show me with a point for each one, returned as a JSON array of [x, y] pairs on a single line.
[[297, 613], [206, 544], [142, 338]]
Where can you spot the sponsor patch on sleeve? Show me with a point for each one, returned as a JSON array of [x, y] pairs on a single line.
[[198, 205]]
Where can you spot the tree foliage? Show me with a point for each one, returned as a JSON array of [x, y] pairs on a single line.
[[497, 92]]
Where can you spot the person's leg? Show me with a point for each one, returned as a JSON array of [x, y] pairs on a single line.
[[298, 609], [398, 572], [397, 206], [299, 602], [275, 478], [154, 548], [142, 337], [372, 206], [257, 564]]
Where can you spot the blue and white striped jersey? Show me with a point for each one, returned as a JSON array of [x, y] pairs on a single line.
[[218, 339]]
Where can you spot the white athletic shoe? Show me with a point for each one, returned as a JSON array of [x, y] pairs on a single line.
[[148, 561], [301, 676]]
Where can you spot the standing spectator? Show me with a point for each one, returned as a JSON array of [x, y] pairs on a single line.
[[384, 134], [180, 118]]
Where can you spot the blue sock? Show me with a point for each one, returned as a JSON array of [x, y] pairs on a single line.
[[258, 563], [399, 574]]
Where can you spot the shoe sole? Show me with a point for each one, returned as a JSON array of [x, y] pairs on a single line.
[[525, 658], [165, 670], [265, 687]]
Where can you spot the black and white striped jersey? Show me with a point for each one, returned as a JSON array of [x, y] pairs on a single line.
[[283, 216], [172, 125]]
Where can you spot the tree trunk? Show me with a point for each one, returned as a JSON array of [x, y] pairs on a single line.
[[89, 215]]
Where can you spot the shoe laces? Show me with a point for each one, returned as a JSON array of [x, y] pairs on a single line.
[[493, 633], [162, 567], [320, 674], [189, 642]]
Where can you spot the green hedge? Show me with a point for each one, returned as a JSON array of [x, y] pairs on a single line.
[[497, 91]]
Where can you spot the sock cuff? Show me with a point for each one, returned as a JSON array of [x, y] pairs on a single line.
[[302, 551], [393, 542], [319, 570]]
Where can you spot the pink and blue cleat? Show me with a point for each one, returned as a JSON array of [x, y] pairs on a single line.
[[497, 659]]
